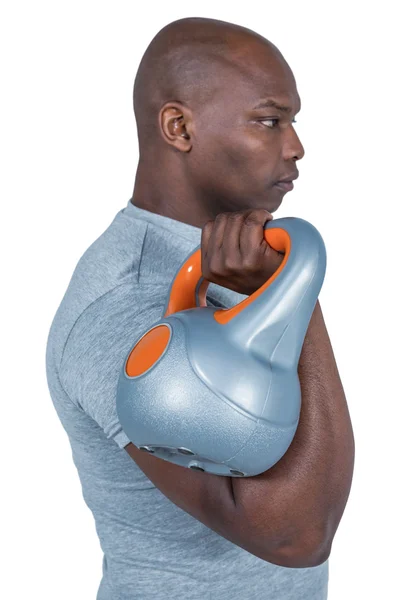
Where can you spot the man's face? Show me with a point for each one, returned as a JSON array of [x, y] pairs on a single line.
[[241, 150]]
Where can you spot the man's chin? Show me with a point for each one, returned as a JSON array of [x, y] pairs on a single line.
[[274, 199]]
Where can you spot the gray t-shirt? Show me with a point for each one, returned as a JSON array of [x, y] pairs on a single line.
[[152, 548]]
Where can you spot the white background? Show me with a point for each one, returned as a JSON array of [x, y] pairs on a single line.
[[68, 159]]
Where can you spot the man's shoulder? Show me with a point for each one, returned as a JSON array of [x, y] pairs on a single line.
[[121, 309], [105, 331]]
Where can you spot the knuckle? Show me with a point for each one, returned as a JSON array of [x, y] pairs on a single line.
[[264, 211], [249, 262], [251, 220], [257, 216], [235, 216], [230, 264], [220, 217], [208, 224], [214, 266]]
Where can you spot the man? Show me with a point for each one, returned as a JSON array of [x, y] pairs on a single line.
[[213, 149]]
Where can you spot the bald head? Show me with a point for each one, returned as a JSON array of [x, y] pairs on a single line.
[[214, 105], [186, 62]]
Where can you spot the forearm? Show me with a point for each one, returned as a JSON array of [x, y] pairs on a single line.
[[304, 495]]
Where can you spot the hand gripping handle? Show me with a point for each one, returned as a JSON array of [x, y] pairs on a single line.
[[189, 287]]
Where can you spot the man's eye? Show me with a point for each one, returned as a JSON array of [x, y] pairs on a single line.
[[274, 121]]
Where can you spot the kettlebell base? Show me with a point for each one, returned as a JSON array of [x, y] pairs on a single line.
[[180, 456], [262, 450]]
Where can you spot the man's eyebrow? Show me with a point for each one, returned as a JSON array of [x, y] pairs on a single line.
[[270, 102]]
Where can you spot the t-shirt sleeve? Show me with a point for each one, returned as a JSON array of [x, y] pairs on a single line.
[[96, 349]]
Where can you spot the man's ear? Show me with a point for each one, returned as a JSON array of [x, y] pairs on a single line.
[[175, 122]]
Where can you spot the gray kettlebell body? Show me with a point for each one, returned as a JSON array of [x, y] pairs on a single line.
[[225, 397]]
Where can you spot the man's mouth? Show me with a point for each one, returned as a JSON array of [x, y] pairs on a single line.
[[286, 186]]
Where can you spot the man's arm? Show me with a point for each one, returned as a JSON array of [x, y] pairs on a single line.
[[304, 495]]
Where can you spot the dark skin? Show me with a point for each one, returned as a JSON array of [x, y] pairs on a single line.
[[218, 160]]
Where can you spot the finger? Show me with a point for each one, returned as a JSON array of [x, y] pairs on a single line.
[[205, 237], [252, 232], [231, 246], [212, 237], [217, 235]]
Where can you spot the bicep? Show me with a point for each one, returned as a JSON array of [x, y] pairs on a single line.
[[204, 496], [209, 499]]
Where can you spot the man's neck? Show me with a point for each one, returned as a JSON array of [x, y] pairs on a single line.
[[166, 190]]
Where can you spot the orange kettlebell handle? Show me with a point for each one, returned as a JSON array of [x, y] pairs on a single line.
[[183, 290]]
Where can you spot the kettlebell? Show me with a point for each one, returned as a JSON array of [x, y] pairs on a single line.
[[217, 390]]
